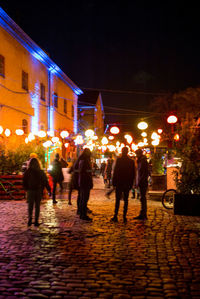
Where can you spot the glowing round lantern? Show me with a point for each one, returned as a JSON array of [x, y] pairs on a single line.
[[89, 133], [66, 144], [155, 142], [160, 131], [114, 130], [104, 140], [142, 125], [19, 132], [31, 137], [172, 119], [64, 134], [144, 134], [176, 137], [7, 132], [79, 139], [42, 134], [1, 129]]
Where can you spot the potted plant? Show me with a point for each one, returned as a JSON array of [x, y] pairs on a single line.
[[187, 178]]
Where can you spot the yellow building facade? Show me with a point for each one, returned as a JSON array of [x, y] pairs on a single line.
[[35, 94]]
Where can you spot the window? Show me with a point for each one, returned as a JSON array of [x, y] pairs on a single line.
[[65, 106], [25, 126], [73, 111], [42, 92], [2, 66], [55, 100], [25, 80]]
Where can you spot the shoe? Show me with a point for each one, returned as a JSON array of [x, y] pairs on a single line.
[[54, 201], [29, 222], [37, 224], [86, 218], [69, 203], [125, 220], [89, 211], [114, 219], [140, 217]]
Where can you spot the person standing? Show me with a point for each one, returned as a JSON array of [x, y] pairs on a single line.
[[34, 181], [57, 175], [142, 182], [84, 181], [123, 177]]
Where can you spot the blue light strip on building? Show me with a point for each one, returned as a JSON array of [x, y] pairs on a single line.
[[13, 29]]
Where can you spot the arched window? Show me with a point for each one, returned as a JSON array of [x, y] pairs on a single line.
[[25, 126]]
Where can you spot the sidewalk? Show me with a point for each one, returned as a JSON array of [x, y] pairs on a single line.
[[69, 258]]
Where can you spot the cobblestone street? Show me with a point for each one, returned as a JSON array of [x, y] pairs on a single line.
[[69, 258]]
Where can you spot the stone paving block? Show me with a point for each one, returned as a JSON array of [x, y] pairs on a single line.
[[158, 258]]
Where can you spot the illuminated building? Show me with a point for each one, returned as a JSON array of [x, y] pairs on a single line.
[[35, 94]]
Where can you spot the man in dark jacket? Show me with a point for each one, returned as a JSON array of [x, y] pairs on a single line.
[[57, 175], [142, 182], [123, 177], [84, 181]]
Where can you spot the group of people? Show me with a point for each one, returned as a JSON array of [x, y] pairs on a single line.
[[123, 176]]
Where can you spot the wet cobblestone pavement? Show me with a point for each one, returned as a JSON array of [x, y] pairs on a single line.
[[69, 258]]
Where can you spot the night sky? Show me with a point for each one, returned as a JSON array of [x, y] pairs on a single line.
[[117, 45]]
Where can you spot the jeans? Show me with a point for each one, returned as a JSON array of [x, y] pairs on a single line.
[[33, 197], [118, 192], [143, 190], [54, 188], [84, 197]]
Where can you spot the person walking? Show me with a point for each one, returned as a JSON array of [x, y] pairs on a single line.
[[57, 175], [102, 170], [123, 177], [142, 182], [34, 181], [108, 172], [84, 181]]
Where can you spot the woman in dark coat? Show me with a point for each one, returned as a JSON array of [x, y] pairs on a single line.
[[34, 181]]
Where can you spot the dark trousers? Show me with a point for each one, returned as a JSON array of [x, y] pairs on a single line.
[[55, 182], [84, 197], [143, 190], [33, 198], [118, 193]]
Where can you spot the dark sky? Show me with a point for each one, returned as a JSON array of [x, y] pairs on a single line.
[[117, 45]]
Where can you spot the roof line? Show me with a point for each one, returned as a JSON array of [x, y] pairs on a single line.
[[13, 29]]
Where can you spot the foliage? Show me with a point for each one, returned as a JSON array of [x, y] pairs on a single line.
[[188, 150], [11, 160], [157, 163]]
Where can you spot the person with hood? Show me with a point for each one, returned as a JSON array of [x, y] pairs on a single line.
[[142, 182], [85, 183], [123, 178], [57, 175], [34, 181]]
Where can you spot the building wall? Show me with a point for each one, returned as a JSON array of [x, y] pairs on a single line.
[[18, 104]]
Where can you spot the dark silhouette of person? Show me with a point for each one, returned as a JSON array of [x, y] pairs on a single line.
[[142, 182], [84, 181], [34, 181], [57, 175], [108, 172], [123, 177], [73, 184], [102, 170]]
